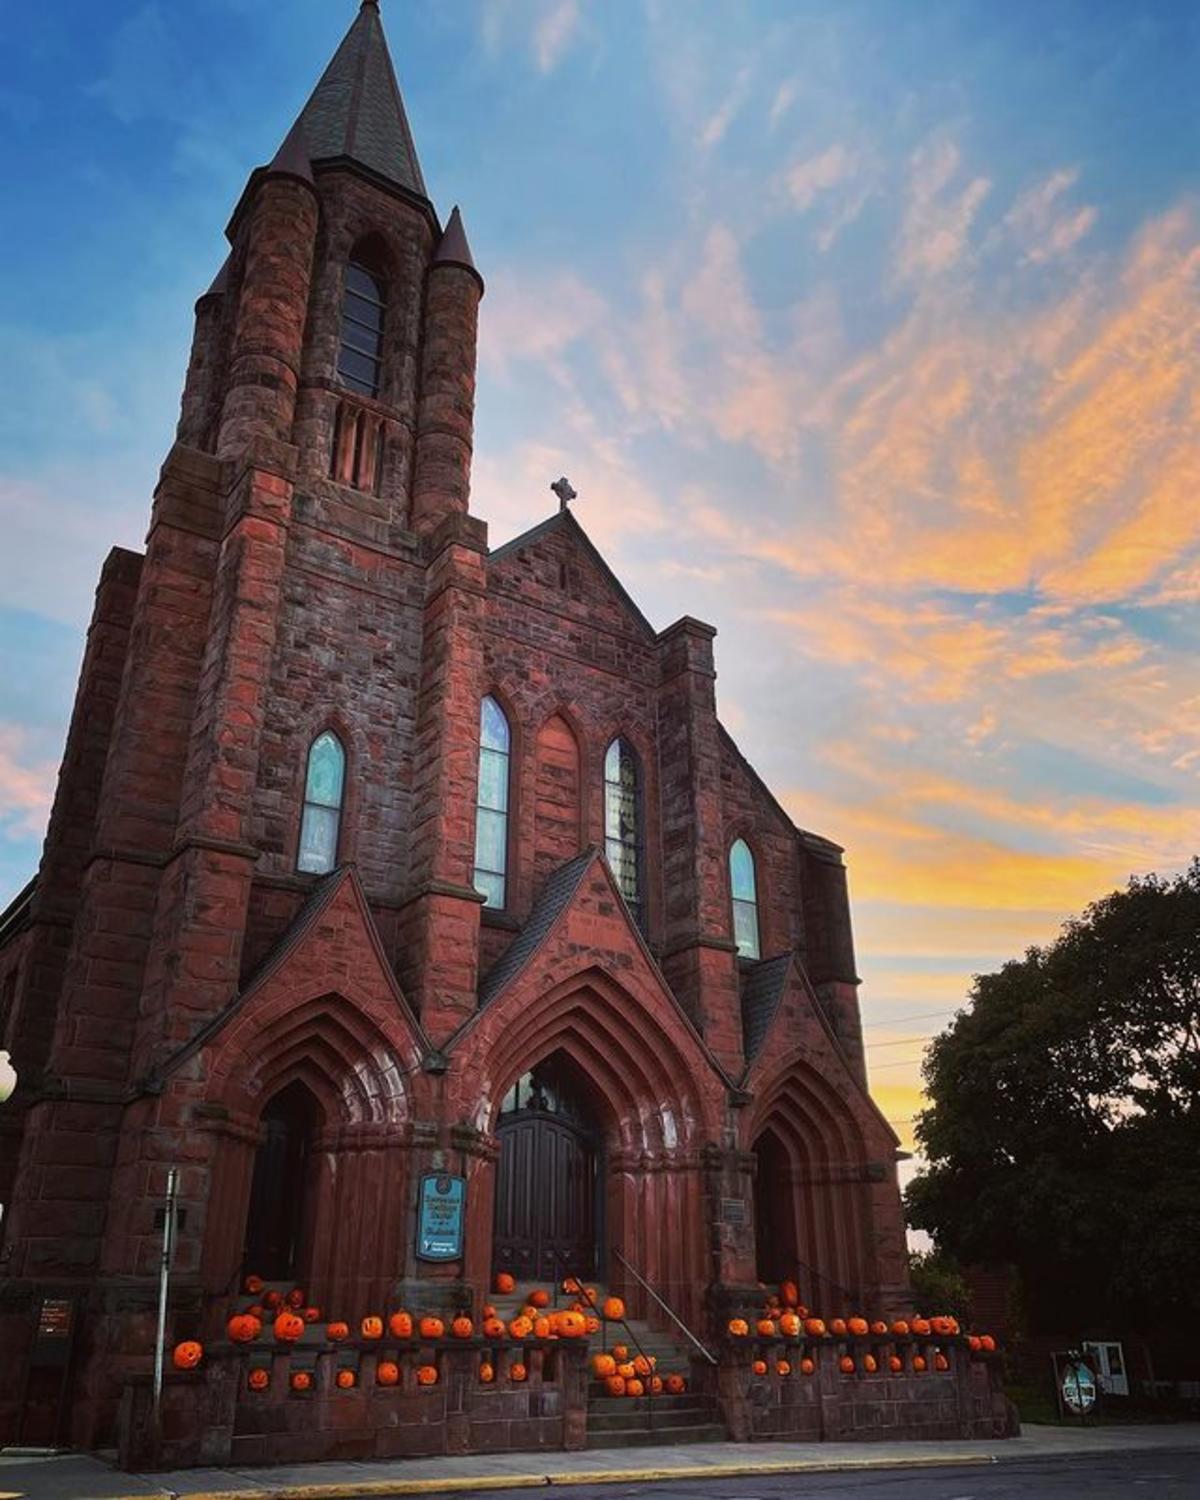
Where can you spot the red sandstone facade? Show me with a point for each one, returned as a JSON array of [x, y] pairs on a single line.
[[312, 565]]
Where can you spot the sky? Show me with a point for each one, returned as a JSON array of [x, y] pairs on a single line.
[[867, 331]]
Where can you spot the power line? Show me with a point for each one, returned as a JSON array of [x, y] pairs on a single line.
[[902, 1062], [922, 1016], [900, 1041]]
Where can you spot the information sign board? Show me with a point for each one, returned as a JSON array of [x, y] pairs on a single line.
[[440, 1215]]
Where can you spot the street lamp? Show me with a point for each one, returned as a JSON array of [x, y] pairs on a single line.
[[8, 1078]]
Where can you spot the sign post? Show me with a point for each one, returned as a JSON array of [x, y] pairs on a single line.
[[441, 1210], [164, 1277]]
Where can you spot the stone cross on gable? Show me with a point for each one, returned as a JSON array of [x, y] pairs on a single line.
[[562, 488]]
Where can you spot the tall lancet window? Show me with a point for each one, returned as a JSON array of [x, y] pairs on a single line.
[[623, 824], [744, 890], [360, 356], [491, 805], [320, 824]]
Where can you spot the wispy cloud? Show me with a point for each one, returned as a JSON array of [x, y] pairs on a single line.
[[941, 209], [554, 33], [1043, 226], [26, 785]]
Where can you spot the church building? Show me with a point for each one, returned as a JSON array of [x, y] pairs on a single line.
[[384, 864]]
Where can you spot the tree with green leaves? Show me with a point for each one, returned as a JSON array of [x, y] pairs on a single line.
[[1063, 1130]]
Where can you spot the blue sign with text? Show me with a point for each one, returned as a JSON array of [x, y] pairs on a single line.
[[440, 1216]]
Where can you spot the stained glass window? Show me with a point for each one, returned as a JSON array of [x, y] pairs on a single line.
[[323, 787], [360, 354], [491, 804], [623, 824], [744, 891]]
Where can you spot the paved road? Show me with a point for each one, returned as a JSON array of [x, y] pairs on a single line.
[[1152, 1476]]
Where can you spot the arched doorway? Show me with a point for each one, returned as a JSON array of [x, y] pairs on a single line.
[[774, 1211], [548, 1203], [276, 1222]]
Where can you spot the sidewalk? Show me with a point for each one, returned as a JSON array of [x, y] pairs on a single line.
[[72, 1477]]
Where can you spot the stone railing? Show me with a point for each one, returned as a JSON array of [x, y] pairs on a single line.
[[211, 1416]]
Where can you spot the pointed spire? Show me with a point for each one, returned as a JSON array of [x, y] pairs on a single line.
[[356, 112], [453, 249], [291, 160]]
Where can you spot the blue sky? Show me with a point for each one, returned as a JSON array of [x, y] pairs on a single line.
[[868, 331]]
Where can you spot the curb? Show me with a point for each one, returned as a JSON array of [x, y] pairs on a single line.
[[362, 1489]]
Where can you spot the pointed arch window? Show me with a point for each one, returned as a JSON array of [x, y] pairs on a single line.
[[744, 889], [491, 805], [360, 354], [320, 823], [623, 839]]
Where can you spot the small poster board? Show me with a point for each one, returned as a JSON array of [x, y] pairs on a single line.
[[441, 1212]]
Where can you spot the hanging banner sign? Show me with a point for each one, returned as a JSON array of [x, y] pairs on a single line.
[[440, 1217]]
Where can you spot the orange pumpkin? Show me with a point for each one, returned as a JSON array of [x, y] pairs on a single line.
[[432, 1328], [542, 1328], [517, 1372], [520, 1328], [900, 1328], [641, 1365], [807, 1366], [941, 1326], [846, 1365], [187, 1355], [620, 1351], [462, 1328], [870, 1364], [766, 1328], [487, 1373], [782, 1367], [738, 1327], [919, 1363], [789, 1293], [258, 1379], [759, 1367], [311, 1314], [345, 1380], [895, 1364], [676, 1385], [400, 1324], [371, 1326], [790, 1325], [253, 1285], [336, 1332], [272, 1299], [301, 1380], [613, 1309], [387, 1372], [572, 1325], [488, 1311], [974, 1343], [289, 1326], [504, 1284], [427, 1375], [592, 1324], [615, 1385], [814, 1327], [656, 1385], [242, 1328], [940, 1362], [858, 1326], [879, 1327], [493, 1328], [529, 1311], [837, 1327], [634, 1388], [626, 1368], [603, 1365], [571, 1286], [295, 1298], [256, 1310], [920, 1326], [539, 1297], [987, 1343]]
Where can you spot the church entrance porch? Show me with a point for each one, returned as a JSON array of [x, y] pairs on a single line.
[[549, 1204]]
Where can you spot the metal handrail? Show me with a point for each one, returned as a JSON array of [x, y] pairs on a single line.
[[585, 1292], [670, 1312]]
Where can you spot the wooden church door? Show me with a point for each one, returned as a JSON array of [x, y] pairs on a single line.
[[547, 1183], [277, 1191]]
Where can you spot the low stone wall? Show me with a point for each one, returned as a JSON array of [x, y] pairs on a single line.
[[966, 1400], [210, 1416]]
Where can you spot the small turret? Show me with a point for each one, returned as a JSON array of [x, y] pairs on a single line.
[[446, 412]]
